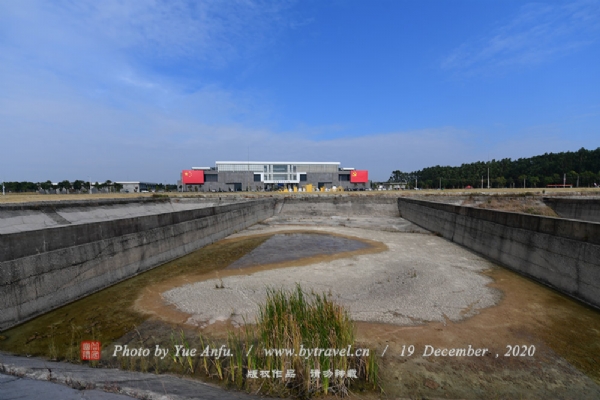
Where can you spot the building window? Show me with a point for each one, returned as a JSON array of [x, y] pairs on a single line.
[[302, 177], [344, 177], [256, 177], [280, 168], [211, 177]]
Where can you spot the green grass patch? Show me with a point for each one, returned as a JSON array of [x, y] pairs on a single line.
[[296, 321]]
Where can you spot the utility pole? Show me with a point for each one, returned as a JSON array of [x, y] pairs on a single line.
[[440, 183], [564, 180], [488, 170], [482, 181], [3, 193], [416, 182]]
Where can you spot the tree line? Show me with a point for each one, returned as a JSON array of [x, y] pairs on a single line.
[[76, 186], [578, 168]]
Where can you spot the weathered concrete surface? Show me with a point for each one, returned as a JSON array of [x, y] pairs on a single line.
[[421, 278], [340, 206], [89, 381], [84, 248], [16, 388], [585, 209], [23, 217], [561, 253], [385, 224], [46, 268], [52, 253]]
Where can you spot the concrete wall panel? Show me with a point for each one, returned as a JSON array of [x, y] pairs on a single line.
[[581, 209], [344, 205], [59, 265], [563, 254]]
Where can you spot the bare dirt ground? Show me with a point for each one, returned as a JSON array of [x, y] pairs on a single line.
[[566, 336], [520, 204], [558, 341]]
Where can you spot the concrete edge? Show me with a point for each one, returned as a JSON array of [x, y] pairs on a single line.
[[575, 229], [134, 384], [58, 204]]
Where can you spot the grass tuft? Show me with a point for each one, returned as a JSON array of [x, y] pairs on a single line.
[[295, 320]]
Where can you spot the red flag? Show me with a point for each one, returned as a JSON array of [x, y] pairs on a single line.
[[192, 177], [359, 176]]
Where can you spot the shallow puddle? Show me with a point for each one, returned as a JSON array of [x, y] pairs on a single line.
[[293, 246]]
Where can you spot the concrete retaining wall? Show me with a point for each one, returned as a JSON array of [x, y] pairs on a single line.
[[343, 206], [23, 217], [43, 269], [583, 209], [563, 254]]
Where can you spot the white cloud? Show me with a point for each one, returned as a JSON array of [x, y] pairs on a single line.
[[77, 100], [78, 138], [539, 32], [210, 31]]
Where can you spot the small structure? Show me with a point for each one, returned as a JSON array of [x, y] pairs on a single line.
[[138, 187]]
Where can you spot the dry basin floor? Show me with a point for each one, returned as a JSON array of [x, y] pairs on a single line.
[[411, 294]]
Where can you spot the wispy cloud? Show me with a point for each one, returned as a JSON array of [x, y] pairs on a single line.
[[538, 33], [132, 55], [211, 31]]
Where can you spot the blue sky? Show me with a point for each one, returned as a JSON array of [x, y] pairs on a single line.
[[139, 90]]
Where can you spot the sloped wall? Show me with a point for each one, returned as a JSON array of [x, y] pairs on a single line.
[[583, 209], [563, 254], [341, 205], [43, 269]]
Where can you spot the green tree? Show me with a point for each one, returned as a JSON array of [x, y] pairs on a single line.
[[64, 185], [78, 184], [501, 181], [574, 175], [46, 185], [588, 178], [108, 184]]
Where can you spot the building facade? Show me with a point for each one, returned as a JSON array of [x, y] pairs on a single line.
[[233, 176], [138, 187]]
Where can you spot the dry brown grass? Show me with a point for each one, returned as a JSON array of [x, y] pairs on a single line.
[[524, 205], [35, 197]]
